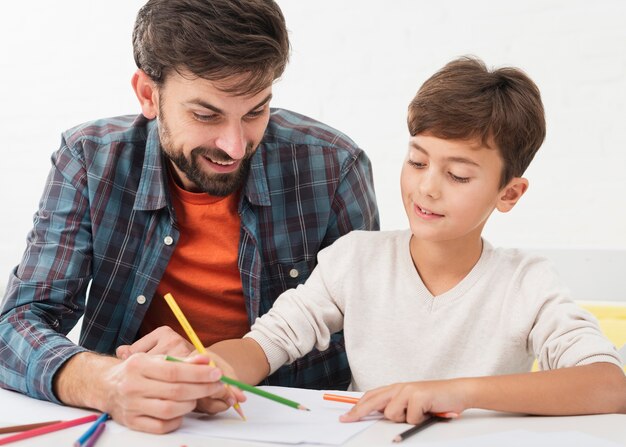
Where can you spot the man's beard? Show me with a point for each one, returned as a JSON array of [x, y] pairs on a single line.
[[212, 183], [215, 184]]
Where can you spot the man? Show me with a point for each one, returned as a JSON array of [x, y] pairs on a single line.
[[208, 195]]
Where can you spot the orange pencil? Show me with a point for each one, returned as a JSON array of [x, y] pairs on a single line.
[[340, 398], [354, 400], [16, 428]]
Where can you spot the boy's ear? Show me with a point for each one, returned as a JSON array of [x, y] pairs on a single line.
[[511, 193], [146, 91]]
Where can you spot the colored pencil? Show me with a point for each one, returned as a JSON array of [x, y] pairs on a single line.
[[191, 334], [354, 400], [340, 398], [436, 417], [47, 429], [16, 428], [254, 390], [80, 441], [263, 393], [418, 428], [96, 434]]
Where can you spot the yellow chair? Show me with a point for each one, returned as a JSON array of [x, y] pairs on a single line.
[[611, 316]]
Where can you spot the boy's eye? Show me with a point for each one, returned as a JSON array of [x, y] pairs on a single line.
[[458, 179], [416, 164]]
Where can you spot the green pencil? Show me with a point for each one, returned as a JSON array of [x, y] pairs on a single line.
[[253, 389]]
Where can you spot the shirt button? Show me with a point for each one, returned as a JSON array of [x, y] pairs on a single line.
[[293, 273], [168, 240], [141, 299]]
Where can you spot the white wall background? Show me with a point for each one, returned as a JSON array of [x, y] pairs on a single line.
[[355, 65]]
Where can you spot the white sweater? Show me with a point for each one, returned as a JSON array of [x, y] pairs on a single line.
[[508, 310]]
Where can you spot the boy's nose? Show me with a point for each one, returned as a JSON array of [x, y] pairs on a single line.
[[429, 186]]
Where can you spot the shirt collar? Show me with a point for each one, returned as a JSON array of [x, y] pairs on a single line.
[[151, 194], [255, 189]]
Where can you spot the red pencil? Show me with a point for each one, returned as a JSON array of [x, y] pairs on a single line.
[[47, 429]]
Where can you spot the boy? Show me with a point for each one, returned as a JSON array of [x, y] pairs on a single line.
[[453, 321]]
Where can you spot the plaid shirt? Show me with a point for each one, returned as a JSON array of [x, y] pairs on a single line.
[[106, 228]]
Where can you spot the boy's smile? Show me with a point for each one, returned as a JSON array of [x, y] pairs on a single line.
[[426, 214]]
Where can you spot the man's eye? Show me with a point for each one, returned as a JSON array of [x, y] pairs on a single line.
[[204, 118], [255, 113]]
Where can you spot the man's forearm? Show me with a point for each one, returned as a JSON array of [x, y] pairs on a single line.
[[80, 381]]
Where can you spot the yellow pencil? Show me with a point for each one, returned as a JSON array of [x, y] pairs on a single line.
[[191, 334]]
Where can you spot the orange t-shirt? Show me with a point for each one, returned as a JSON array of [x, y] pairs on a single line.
[[202, 274]]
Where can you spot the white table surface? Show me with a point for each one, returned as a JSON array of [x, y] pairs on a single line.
[[472, 423]]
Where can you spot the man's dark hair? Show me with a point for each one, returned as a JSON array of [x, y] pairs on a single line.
[[214, 40], [502, 107]]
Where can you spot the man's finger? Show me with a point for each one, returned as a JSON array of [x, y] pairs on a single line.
[[157, 368]]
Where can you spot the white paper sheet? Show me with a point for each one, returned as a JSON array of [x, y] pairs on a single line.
[[525, 438], [24, 410], [268, 421]]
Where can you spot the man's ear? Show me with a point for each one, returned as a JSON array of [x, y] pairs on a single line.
[[511, 193], [146, 91]]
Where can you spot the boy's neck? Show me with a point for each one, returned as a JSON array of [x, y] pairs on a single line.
[[442, 265]]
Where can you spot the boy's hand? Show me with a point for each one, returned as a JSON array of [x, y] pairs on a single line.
[[219, 402], [411, 402]]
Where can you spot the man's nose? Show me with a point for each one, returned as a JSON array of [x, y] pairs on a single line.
[[232, 141]]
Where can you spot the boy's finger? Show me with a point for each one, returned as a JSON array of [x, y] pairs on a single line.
[[123, 352], [365, 407]]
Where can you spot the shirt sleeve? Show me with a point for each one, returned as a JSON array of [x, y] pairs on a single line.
[[46, 292], [354, 205], [564, 334], [301, 319], [353, 208]]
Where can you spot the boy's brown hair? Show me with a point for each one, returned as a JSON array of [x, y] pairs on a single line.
[[503, 108], [214, 40]]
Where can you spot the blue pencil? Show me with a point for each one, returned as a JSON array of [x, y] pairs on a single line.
[[80, 441], [96, 434]]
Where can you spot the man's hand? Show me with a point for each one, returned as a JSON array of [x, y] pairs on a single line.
[[163, 340], [144, 392], [166, 341]]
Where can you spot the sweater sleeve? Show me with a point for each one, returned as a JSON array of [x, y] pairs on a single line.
[[302, 318], [563, 334]]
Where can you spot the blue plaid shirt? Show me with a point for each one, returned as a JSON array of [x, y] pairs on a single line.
[[106, 229]]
